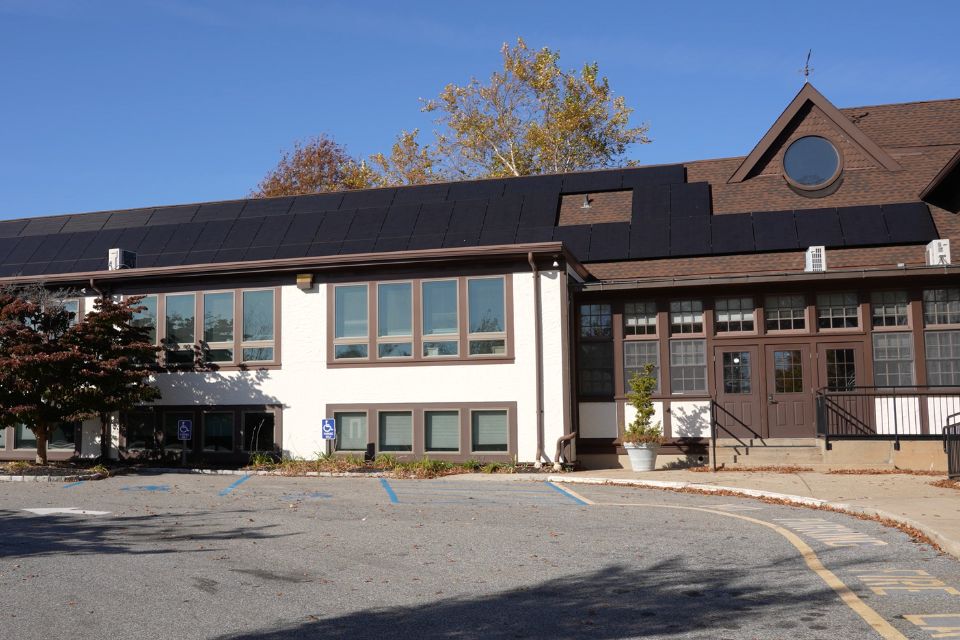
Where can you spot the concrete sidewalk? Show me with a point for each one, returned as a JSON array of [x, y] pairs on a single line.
[[906, 498]]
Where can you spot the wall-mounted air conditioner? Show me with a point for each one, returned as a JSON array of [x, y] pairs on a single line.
[[938, 252], [121, 259], [816, 259]]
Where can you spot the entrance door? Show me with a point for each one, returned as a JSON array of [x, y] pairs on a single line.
[[790, 411], [739, 396]]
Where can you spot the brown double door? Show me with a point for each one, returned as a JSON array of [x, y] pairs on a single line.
[[767, 391]]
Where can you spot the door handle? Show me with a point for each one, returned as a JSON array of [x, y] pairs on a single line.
[[770, 399]]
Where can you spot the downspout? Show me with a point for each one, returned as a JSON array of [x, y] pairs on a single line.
[[538, 341]]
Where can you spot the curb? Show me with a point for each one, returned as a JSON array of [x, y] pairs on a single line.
[[87, 477], [948, 545]]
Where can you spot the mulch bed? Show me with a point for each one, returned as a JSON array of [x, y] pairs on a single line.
[[19, 469]]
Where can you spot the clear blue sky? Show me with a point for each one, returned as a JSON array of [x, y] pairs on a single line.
[[131, 103]]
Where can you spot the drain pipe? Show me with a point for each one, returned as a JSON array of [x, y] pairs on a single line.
[[538, 340]]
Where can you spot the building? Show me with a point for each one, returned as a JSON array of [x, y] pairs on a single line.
[[805, 291]]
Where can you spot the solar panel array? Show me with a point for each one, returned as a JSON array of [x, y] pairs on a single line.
[[670, 218]]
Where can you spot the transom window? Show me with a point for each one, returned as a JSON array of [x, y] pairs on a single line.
[[686, 316], [943, 357], [941, 306], [734, 314], [837, 311], [890, 308], [688, 366], [893, 359], [596, 321], [785, 313], [640, 318]]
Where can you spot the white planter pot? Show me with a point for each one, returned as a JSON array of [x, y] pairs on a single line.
[[643, 457]]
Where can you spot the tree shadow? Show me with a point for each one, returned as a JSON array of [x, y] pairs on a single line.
[[25, 535], [675, 596], [690, 423]]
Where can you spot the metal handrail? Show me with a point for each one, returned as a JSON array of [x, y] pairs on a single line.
[[714, 425]]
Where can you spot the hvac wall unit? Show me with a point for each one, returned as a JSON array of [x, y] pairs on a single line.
[[938, 253], [815, 259], [121, 259]]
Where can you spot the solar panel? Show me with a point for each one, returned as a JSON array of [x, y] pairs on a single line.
[[774, 231], [166, 259], [292, 250], [475, 189], [863, 226], [204, 256], [909, 222], [242, 233], [76, 244], [421, 194], [12, 228], [334, 227], [650, 202], [425, 241], [101, 244], [263, 252], [33, 268], [360, 245], [173, 215], [44, 226], [124, 219], [530, 184], [731, 233], [592, 181], [503, 213], [10, 269], [86, 222], [48, 247], [303, 227], [540, 209], [576, 238], [324, 249], [91, 264], [650, 239], [689, 236], [461, 238], [498, 235], [229, 255], [316, 202], [367, 198], [6, 247], [266, 207], [385, 244], [156, 239], [183, 238], [818, 227], [131, 238], [59, 266], [648, 176], [434, 219], [219, 211], [400, 220], [690, 199], [366, 223], [610, 242], [534, 234], [145, 260], [212, 235], [467, 215]]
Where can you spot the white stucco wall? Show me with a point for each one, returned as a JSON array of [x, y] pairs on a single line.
[[304, 385]]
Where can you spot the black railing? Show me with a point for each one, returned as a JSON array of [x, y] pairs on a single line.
[[723, 420], [951, 445], [885, 413]]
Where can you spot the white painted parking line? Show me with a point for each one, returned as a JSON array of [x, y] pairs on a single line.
[[73, 511]]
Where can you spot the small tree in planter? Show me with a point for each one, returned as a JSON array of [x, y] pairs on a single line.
[[642, 439]]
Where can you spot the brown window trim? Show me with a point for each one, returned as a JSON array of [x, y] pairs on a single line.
[[734, 334], [863, 310], [911, 305], [417, 409], [418, 359], [197, 413], [703, 319], [808, 312]]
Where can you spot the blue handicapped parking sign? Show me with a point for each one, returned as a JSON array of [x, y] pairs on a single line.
[[185, 430], [328, 429]]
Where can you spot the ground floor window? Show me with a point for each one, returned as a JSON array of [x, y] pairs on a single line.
[[595, 369], [688, 366], [351, 431], [943, 357], [62, 436], [218, 431], [841, 370], [258, 430], [637, 354], [214, 430], [490, 431], [441, 431], [396, 431], [893, 359]]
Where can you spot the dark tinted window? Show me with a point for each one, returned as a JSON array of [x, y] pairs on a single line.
[[811, 161]]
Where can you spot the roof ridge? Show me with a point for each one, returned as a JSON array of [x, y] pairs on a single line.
[[899, 104]]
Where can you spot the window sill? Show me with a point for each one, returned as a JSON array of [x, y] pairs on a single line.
[[338, 364]]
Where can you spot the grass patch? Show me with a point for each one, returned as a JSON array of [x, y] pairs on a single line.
[[385, 463]]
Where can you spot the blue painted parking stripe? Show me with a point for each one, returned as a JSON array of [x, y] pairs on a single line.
[[390, 493], [236, 483], [566, 493], [72, 484]]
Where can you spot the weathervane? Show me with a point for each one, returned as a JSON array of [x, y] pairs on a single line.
[[807, 69]]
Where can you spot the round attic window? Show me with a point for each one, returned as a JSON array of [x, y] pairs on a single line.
[[811, 163]]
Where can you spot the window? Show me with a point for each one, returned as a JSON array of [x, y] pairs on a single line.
[[734, 314], [258, 431], [351, 431], [3, 437], [350, 321], [170, 421], [181, 328], [218, 431], [736, 372], [441, 325], [489, 431], [688, 366], [146, 318], [890, 308], [686, 316], [640, 319], [485, 302], [785, 313], [63, 436], [218, 326], [138, 430], [943, 357], [811, 162], [394, 320], [258, 343], [893, 359], [788, 371], [73, 308], [596, 321], [841, 370], [441, 431], [637, 354], [396, 431], [837, 311], [941, 306], [595, 369]]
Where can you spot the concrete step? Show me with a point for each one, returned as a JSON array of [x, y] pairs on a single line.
[[770, 455], [807, 443]]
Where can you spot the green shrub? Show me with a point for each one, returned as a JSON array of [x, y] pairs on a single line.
[[640, 430]]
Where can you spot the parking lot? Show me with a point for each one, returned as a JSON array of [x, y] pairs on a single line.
[[201, 556]]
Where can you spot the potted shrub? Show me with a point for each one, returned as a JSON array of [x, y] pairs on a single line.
[[641, 438]]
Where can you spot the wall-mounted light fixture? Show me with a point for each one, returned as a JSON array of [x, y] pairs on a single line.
[[304, 281]]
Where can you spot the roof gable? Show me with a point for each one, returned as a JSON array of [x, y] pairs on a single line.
[[808, 101]]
